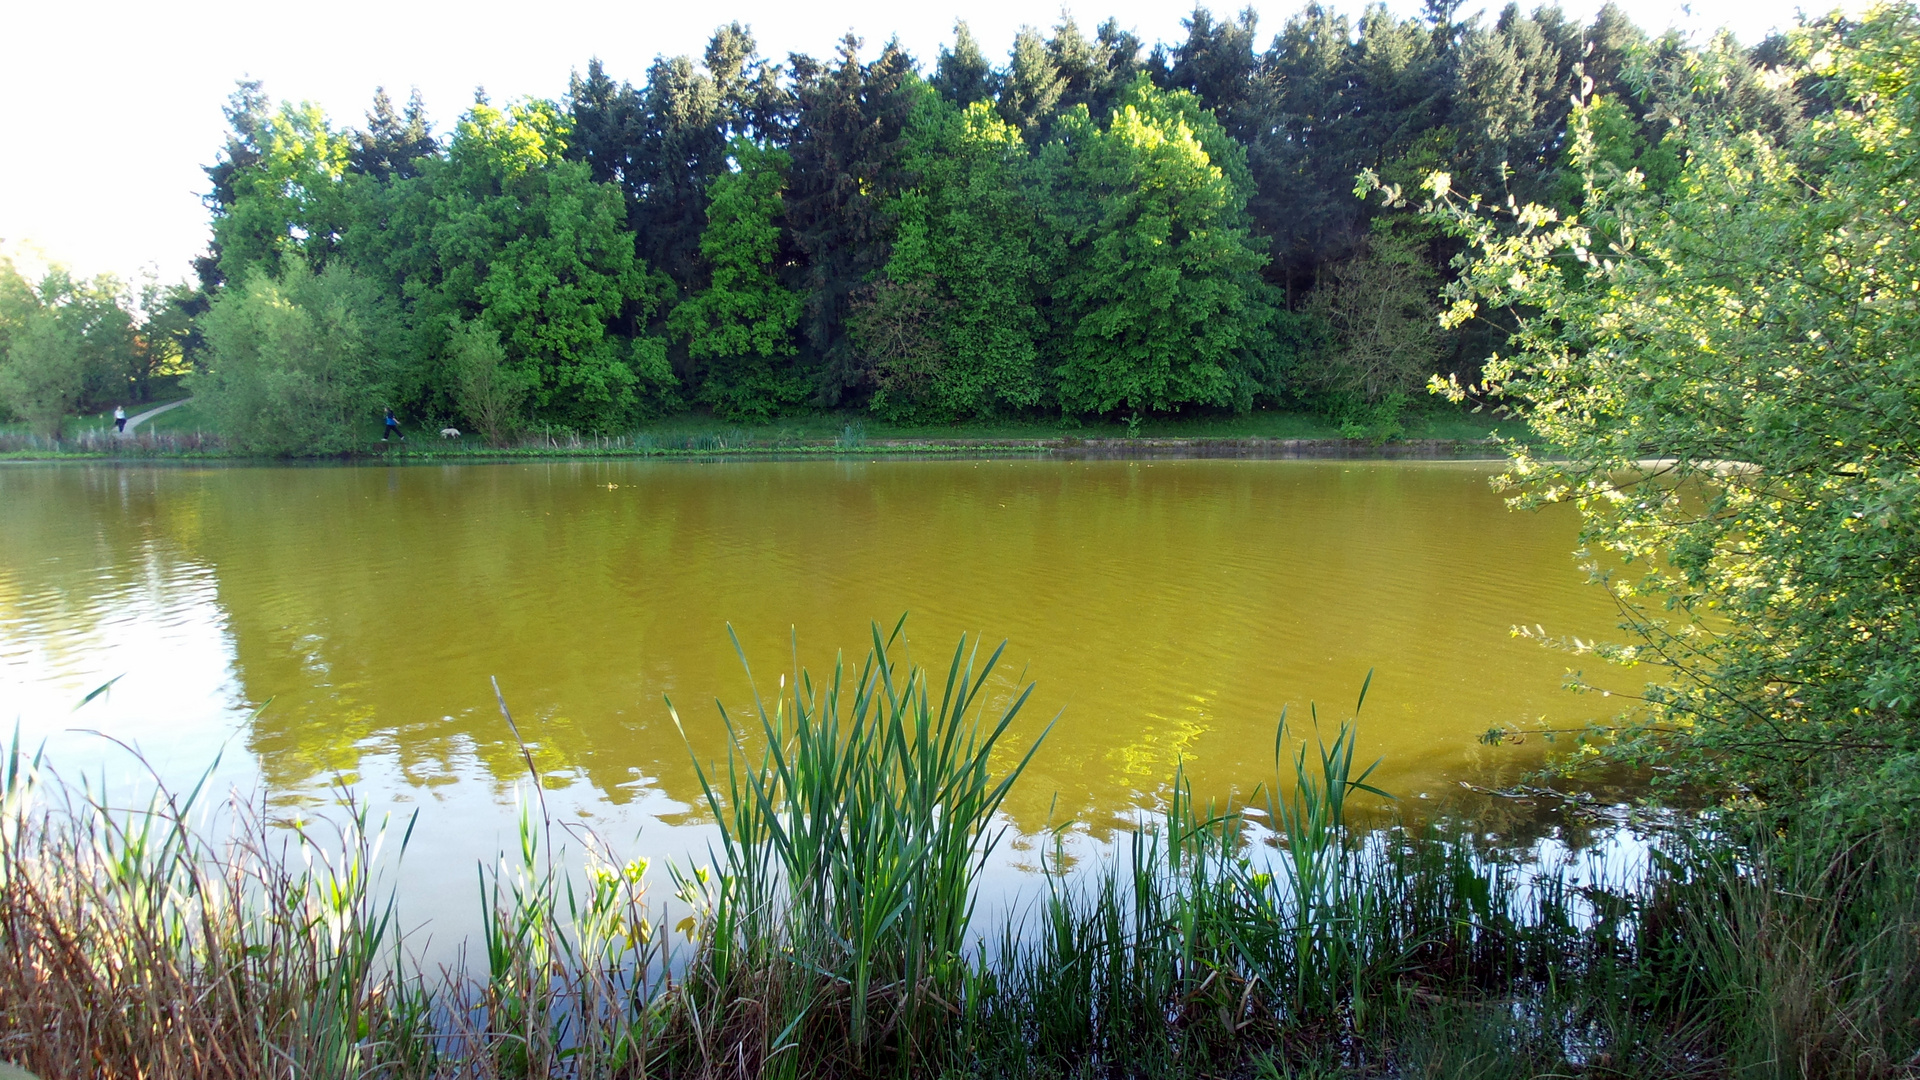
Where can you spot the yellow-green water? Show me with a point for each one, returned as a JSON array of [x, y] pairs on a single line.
[[1166, 610]]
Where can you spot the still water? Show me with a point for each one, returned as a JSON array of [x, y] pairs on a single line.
[[316, 626]]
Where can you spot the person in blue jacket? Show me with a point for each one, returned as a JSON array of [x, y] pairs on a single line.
[[392, 428]]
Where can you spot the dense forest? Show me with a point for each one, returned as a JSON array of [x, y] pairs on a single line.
[[1090, 228]]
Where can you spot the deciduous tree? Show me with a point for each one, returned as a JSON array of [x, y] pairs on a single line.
[[1729, 387], [295, 363], [954, 328], [1159, 303], [740, 328]]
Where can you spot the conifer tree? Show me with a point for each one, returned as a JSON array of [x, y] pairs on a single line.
[[963, 75], [1030, 92], [846, 151], [392, 144]]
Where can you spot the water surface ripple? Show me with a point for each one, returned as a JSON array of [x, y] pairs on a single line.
[[1168, 610]]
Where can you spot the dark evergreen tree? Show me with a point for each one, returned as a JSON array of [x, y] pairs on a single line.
[[1513, 86], [682, 146], [1031, 88], [392, 144], [1084, 67], [1607, 46], [1304, 200], [753, 102], [963, 75], [846, 150], [1122, 49], [247, 111], [1217, 64], [666, 142], [606, 124]]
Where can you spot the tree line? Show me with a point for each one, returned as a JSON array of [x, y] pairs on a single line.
[[1088, 228], [70, 344]]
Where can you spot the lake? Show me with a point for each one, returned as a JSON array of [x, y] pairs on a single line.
[[324, 625]]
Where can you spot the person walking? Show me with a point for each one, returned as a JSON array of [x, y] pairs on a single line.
[[392, 428], [120, 419]]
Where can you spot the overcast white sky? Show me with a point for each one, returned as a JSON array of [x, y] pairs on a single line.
[[113, 106]]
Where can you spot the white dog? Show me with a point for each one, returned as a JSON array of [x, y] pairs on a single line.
[[449, 432]]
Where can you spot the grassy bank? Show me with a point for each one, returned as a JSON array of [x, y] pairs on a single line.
[[835, 933], [1441, 432]]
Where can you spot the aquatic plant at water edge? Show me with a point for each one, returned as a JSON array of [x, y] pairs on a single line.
[[850, 844], [835, 932]]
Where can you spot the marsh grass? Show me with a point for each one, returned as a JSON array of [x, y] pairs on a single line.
[[137, 945], [851, 841], [105, 442], [189, 432], [833, 930]]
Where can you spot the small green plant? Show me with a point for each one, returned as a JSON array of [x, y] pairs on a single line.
[[1376, 422]]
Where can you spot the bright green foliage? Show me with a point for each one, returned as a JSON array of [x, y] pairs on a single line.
[[1159, 303], [65, 345], [507, 231], [18, 301], [741, 326], [296, 364], [44, 374], [488, 393], [1617, 146], [1754, 333], [953, 327], [290, 199], [1171, 231]]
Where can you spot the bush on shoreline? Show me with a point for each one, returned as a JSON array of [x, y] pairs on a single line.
[[1746, 330]]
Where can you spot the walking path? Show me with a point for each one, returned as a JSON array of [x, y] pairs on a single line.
[[136, 421]]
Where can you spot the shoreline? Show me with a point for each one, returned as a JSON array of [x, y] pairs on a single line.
[[1064, 448]]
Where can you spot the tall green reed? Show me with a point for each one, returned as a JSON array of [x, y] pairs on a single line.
[[836, 932], [852, 836], [1209, 930]]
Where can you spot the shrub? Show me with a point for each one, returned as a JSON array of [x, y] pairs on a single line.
[[295, 365]]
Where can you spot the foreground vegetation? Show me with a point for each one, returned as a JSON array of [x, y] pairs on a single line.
[[1751, 333], [835, 933]]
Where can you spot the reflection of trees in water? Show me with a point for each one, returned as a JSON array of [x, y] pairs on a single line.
[[84, 544], [1172, 609], [373, 605]]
